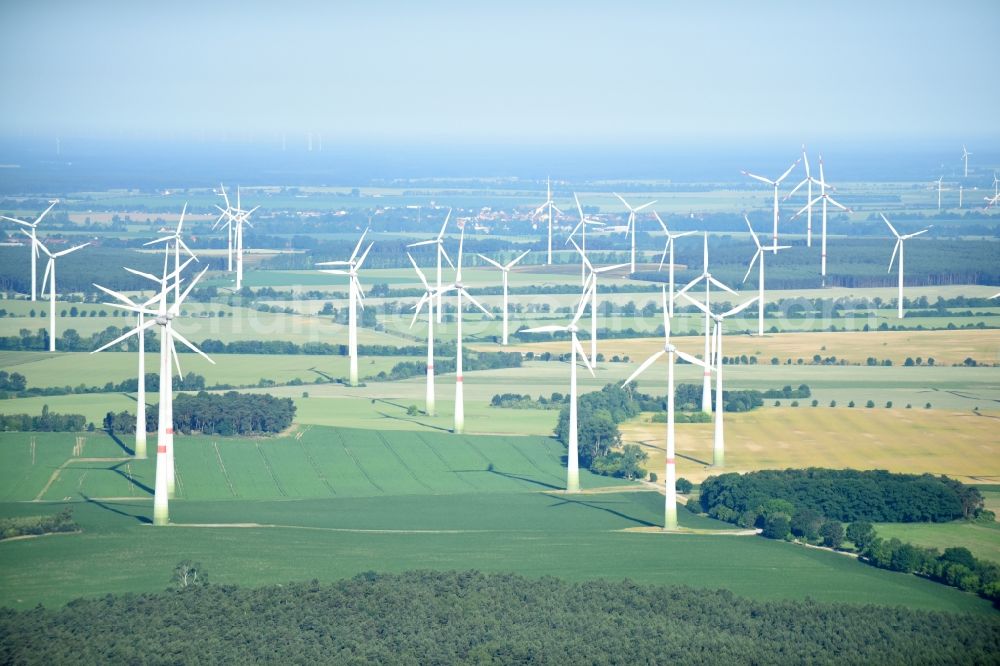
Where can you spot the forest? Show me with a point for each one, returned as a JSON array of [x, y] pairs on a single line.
[[229, 413], [467, 617]]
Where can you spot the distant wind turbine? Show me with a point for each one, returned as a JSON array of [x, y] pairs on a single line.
[[438, 243], [572, 443], [356, 298], [238, 217], [505, 269], [428, 297], [630, 228], [719, 447], [808, 182], [460, 291], [941, 188], [706, 277], [899, 248], [548, 206], [965, 158], [34, 243], [592, 279], [826, 199], [672, 352], [669, 247], [581, 226], [177, 241], [50, 279], [774, 183], [759, 257]]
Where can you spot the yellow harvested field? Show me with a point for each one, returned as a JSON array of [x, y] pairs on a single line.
[[947, 347], [961, 445]]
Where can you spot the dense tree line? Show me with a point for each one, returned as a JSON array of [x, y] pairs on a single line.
[[470, 361], [525, 401], [34, 525], [474, 618], [228, 413], [844, 495], [46, 422]]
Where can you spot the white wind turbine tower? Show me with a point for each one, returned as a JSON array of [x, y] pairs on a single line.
[[34, 243], [50, 279], [670, 477], [965, 158], [429, 295], [706, 277], [826, 199], [163, 316], [438, 242], [941, 188], [592, 280], [178, 243], [355, 298], [719, 448], [759, 256], [459, 293], [237, 217], [505, 269], [581, 226], [669, 247], [227, 215], [630, 228], [808, 182], [572, 443], [550, 206], [774, 183], [899, 248]]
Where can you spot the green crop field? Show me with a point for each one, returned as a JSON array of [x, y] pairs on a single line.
[[334, 502], [982, 539]]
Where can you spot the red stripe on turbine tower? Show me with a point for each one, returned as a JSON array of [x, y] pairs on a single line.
[[671, 461], [170, 431], [430, 366], [161, 448], [458, 379]]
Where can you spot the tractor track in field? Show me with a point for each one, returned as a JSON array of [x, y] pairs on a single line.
[[327, 529], [533, 463], [59, 470], [316, 467], [270, 470], [357, 462], [402, 462], [222, 466], [444, 462]]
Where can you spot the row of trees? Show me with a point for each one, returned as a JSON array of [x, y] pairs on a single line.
[[34, 525], [228, 413], [844, 495], [470, 361], [46, 422]]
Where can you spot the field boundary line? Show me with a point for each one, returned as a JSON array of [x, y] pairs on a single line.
[[402, 462], [69, 461], [225, 473], [444, 462], [270, 470], [533, 463]]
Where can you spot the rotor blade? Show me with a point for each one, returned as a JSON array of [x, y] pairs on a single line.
[[750, 267], [145, 275], [364, 256], [125, 336], [176, 307], [423, 299], [187, 249], [444, 226], [579, 350], [579, 208], [605, 269], [645, 364], [690, 359], [487, 259], [584, 299], [545, 329], [697, 304], [788, 171], [582, 255], [476, 303], [755, 239], [796, 188], [336, 263], [173, 353], [688, 286], [427, 242], [522, 256], [458, 266], [739, 308], [622, 200], [645, 205], [924, 231], [21, 222], [358, 246], [115, 294], [886, 220], [164, 239], [666, 314], [46, 212], [663, 257], [662, 224], [184, 341], [721, 286], [224, 195], [806, 207], [895, 248], [444, 253], [48, 269], [756, 177], [420, 273], [72, 249], [838, 205]]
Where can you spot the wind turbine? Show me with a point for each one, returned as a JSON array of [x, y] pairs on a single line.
[[672, 352], [428, 298], [505, 269], [227, 215], [178, 243], [50, 274], [356, 297], [719, 448], [572, 443], [706, 277], [592, 280], [459, 293], [965, 158], [808, 182], [34, 243], [163, 316], [581, 226], [775, 183], [669, 247], [941, 188], [630, 228], [237, 218], [550, 205], [438, 242], [759, 255], [899, 248], [826, 199], [991, 201]]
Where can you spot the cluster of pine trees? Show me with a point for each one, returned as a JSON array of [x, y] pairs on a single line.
[[229, 413], [48, 421]]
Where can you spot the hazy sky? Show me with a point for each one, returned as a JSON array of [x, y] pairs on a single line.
[[501, 71]]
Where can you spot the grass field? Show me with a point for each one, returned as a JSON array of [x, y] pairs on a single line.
[[959, 444], [982, 539], [335, 502]]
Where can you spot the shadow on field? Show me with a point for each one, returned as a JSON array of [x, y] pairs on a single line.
[[107, 507], [120, 443], [131, 479], [507, 475], [419, 423], [598, 505], [693, 459]]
